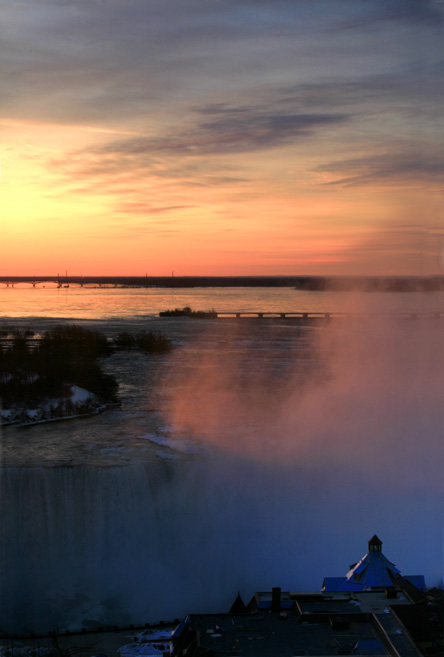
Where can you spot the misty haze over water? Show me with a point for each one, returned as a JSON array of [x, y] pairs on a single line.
[[259, 453]]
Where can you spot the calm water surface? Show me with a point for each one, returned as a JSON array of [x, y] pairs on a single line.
[[108, 303]]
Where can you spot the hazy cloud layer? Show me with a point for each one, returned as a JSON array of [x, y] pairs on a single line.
[[156, 108], [97, 59], [390, 168], [230, 131]]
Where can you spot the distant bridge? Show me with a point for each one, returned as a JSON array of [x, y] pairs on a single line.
[[311, 283], [323, 315]]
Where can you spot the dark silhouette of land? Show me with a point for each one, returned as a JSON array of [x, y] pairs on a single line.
[[313, 283], [38, 373]]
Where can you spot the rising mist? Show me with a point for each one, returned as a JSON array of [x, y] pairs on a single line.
[[332, 453]]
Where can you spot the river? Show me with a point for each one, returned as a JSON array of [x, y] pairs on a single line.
[[259, 453], [128, 303]]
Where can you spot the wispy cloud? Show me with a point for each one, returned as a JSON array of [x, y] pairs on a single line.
[[189, 155], [231, 130], [146, 208], [372, 14], [389, 168]]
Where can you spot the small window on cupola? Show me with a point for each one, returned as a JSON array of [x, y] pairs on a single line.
[[375, 544]]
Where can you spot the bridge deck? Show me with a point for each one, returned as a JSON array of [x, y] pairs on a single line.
[[322, 315]]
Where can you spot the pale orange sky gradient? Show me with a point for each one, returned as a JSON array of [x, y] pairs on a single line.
[[230, 138]]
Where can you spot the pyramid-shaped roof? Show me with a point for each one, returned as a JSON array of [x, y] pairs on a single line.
[[238, 606], [372, 571]]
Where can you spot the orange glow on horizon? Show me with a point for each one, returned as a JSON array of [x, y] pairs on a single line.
[[66, 207]]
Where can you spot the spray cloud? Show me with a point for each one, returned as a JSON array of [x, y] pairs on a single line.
[[344, 428]]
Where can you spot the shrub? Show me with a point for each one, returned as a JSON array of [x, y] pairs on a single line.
[[154, 343], [125, 340]]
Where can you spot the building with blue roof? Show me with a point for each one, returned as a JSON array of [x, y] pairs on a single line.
[[368, 612], [374, 570]]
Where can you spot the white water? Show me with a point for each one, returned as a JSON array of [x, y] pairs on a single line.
[[107, 545], [84, 546]]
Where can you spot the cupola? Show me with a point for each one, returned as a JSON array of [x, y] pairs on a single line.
[[373, 571], [375, 544]]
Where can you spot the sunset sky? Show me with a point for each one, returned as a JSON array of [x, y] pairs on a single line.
[[221, 137]]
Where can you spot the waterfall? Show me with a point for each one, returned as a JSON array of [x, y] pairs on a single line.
[[83, 546], [91, 545]]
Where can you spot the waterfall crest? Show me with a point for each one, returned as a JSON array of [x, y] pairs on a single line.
[[87, 545]]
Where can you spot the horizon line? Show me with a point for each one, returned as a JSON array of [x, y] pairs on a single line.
[[30, 277]]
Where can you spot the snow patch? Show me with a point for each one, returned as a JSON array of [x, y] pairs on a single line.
[[34, 413], [147, 644], [82, 402], [80, 395]]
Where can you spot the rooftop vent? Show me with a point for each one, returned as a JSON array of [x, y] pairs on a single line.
[[276, 598]]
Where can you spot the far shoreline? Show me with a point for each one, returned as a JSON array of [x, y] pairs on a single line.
[[310, 283]]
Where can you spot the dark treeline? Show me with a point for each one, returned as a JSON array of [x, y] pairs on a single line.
[[31, 371], [35, 370]]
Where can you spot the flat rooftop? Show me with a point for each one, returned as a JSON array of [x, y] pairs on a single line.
[[322, 624], [357, 602], [270, 635]]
